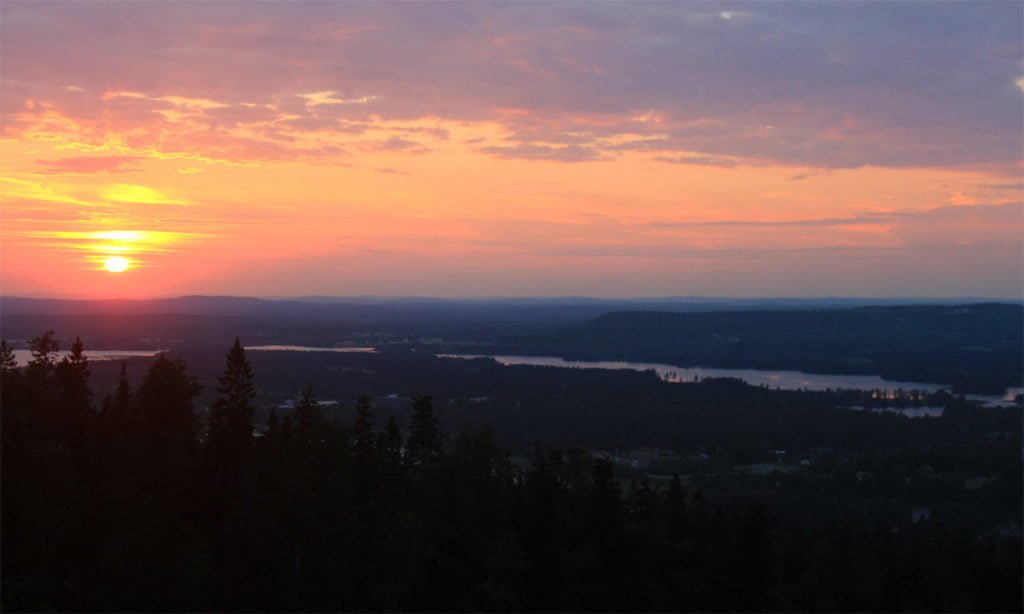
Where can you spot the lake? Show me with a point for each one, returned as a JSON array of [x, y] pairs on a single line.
[[23, 356], [784, 380], [306, 348]]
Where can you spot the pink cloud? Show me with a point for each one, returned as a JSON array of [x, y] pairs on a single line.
[[894, 85]]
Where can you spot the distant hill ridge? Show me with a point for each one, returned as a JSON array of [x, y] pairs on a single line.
[[327, 306], [977, 347]]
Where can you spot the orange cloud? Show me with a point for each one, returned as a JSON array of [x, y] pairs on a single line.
[[89, 164]]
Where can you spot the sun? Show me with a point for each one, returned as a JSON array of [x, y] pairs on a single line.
[[116, 264]]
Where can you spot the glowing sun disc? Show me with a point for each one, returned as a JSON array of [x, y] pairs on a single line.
[[116, 264]]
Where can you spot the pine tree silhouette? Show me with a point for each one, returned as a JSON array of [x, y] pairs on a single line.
[[229, 429], [424, 444]]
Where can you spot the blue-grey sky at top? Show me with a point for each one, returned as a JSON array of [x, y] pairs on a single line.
[[922, 83]]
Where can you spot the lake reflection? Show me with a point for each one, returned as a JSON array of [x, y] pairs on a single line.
[[783, 380]]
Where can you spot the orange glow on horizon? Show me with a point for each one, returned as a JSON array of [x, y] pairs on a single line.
[[447, 206], [584, 176]]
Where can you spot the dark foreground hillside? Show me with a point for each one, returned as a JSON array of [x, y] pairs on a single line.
[[136, 501], [973, 348]]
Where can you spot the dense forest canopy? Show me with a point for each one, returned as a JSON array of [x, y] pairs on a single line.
[[134, 498]]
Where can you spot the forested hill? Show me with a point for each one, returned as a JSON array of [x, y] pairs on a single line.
[[144, 502], [974, 348]]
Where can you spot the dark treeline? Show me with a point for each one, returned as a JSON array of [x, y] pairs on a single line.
[[137, 501], [866, 467], [608, 409]]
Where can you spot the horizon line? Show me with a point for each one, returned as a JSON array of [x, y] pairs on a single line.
[[537, 297]]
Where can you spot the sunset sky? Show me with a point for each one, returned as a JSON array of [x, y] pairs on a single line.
[[471, 149]]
